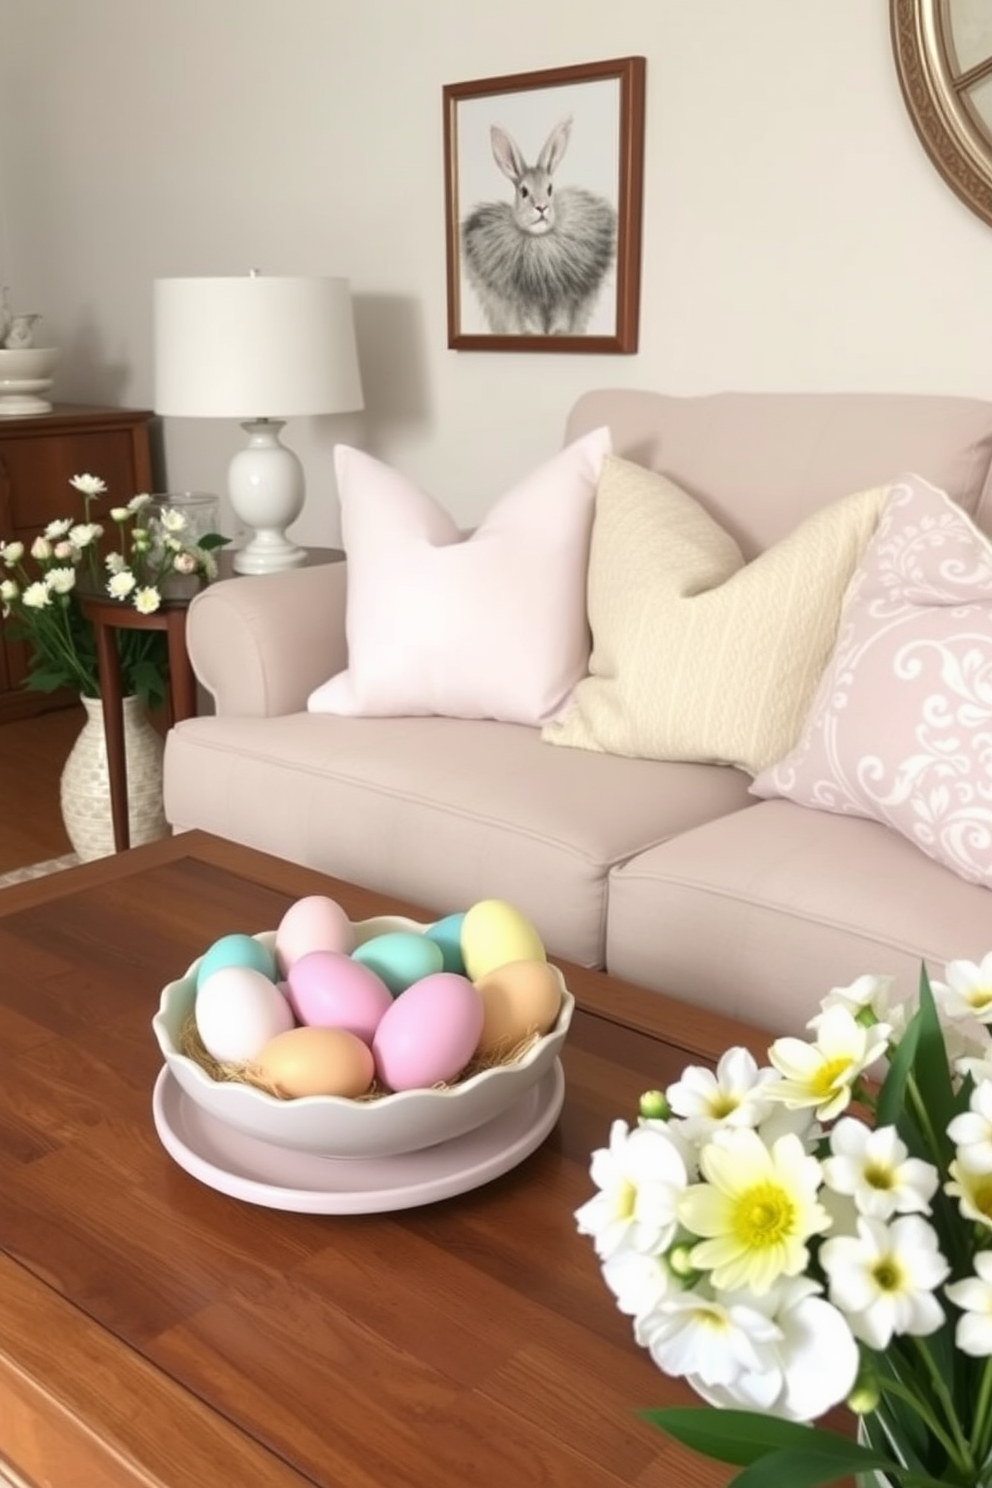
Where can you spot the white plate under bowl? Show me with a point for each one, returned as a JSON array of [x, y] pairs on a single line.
[[262, 1173], [332, 1125]]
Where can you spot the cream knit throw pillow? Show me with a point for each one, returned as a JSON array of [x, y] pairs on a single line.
[[697, 655]]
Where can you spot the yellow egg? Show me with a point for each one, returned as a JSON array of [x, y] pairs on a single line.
[[518, 1000], [315, 1061], [495, 933]]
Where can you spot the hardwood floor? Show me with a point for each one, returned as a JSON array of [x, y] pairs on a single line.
[[32, 753]]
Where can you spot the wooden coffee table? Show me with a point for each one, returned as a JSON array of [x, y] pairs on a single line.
[[154, 1331]]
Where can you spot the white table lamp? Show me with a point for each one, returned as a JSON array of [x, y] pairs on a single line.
[[259, 350]]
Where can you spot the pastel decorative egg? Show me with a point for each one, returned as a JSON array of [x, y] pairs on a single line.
[[236, 950], [448, 935], [494, 933], [519, 1000], [315, 1061], [400, 957], [328, 989], [314, 923], [237, 1010], [429, 1034]]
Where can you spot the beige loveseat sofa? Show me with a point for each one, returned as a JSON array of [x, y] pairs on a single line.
[[672, 875]]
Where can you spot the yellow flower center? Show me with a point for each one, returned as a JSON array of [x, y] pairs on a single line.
[[981, 1197], [827, 1076], [979, 998], [887, 1275], [626, 1199], [723, 1104], [878, 1176], [764, 1216]]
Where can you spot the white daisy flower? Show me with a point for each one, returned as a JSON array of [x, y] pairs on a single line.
[[640, 1178], [875, 1169], [692, 1334], [884, 1278], [973, 1192], [755, 1211], [58, 528], [11, 553], [971, 1132], [37, 596], [61, 580], [89, 485], [967, 991], [822, 1074], [147, 600], [121, 583], [638, 1282], [811, 1366], [138, 503], [85, 534], [973, 1334], [871, 994], [729, 1096], [115, 563]]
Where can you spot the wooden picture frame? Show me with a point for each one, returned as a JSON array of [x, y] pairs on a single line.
[[543, 184]]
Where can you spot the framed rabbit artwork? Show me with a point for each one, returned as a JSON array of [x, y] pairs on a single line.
[[543, 180]]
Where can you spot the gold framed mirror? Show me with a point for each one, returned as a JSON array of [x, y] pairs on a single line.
[[943, 52]]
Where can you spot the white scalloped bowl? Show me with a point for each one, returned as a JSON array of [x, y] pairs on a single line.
[[333, 1126]]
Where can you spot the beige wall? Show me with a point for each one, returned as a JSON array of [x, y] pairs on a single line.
[[795, 236]]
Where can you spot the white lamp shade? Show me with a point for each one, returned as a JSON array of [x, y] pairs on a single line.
[[255, 347]]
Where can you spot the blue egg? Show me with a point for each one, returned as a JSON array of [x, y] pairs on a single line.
[[448, 935], [236, 950], [400, 958]]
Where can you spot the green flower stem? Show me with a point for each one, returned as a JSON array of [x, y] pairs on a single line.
[[890, 1386], [962, 1452], [980, 1432], [922, 1116]]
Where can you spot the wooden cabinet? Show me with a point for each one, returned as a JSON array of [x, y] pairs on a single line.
[[38, 455]]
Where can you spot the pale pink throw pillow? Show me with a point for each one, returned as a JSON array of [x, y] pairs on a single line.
[[900, 730], [492, 625]]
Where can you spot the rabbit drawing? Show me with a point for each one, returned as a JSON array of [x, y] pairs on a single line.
[[538, 265]]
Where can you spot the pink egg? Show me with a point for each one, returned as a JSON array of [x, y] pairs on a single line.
[[315, 923], [429, 1034], [327, 989]]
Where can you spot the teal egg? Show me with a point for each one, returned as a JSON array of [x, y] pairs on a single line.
[[448, 935], [236, 950], [399, 958]]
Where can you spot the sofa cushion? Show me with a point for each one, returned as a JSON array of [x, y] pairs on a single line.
[[492, 625], [901, 728], [758, 914], [439, 811], [697, 655]]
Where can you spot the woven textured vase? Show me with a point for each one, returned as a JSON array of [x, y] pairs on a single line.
[[85, 783]]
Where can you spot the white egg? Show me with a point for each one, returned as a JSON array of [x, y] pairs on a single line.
[[237, 1011]]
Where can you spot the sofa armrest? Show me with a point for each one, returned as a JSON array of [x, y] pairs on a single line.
[[261, 644]]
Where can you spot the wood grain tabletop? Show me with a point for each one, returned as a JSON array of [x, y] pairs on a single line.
[[154, 1331]]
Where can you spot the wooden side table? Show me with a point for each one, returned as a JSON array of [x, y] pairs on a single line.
[[107, 615]]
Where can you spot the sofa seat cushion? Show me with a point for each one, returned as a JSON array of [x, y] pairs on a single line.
[[758, 914], [442, 812]]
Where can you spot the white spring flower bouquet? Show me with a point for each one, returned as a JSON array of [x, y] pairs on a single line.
[[42, 582], [792, 1237]]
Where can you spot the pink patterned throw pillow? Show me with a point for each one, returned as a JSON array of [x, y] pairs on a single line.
[[900, 730], [492, 625]]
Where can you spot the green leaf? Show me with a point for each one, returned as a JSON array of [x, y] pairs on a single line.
[[736, 1436], [892, 1096], [930, 1067], [812, 1467], [212, 540]]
